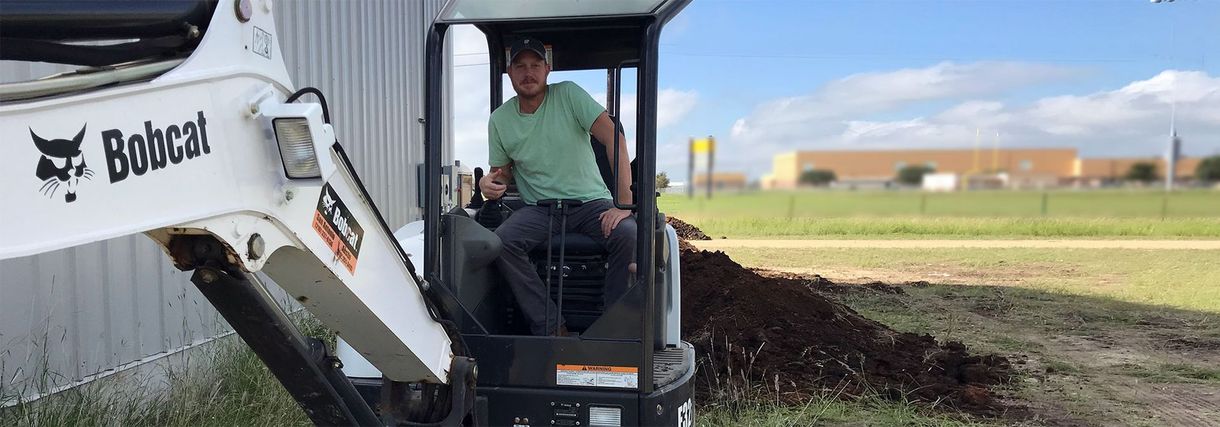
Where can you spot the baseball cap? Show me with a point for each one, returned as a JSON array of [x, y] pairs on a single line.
[[527, 44]]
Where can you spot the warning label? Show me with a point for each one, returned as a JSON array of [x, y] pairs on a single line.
[[335, 224], [597, 376]]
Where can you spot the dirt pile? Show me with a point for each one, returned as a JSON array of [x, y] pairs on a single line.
[[686, 231], [780, 333]]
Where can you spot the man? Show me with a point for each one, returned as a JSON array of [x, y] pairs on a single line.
[[540, 139]]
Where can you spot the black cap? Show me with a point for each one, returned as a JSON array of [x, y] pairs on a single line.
[[526, 44]]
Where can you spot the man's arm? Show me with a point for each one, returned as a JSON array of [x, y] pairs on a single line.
[[604, 130]]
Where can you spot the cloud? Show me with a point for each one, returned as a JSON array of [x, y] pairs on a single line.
[[673, 106], [1130, 120], [471, 96], [875, 92]]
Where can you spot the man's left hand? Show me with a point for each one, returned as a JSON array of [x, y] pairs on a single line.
[[610, 219]]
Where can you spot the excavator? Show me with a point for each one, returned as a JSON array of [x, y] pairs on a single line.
[[185, 126]]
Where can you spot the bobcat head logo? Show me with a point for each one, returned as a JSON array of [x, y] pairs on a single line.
[[61, 165]]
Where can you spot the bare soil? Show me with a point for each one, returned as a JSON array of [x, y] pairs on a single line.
[[782, 335], [685, 230]]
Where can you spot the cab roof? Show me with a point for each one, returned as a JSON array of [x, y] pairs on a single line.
[[476, 11], [582, 34]]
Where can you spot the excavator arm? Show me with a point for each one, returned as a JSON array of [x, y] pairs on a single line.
[[212, 155]]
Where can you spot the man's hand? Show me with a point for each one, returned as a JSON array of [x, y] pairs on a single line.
[[494, 184], [610, 219]]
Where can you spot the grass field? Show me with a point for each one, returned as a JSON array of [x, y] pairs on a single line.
[[1003, 214], [1100, 336]]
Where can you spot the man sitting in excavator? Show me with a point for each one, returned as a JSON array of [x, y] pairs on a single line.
[[540, 140]]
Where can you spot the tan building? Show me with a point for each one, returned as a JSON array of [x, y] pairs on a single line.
[[1116, 168], [882, 166], [720, 181], [1032, 167]]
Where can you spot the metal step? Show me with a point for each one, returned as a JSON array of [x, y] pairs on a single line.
[[669, 364]]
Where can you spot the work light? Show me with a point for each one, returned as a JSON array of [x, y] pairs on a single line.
[[296, 147]]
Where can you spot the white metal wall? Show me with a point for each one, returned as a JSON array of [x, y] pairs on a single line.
[[74, 314]]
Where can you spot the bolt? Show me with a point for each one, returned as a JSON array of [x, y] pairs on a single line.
[[243, 9], [289, 195], [255, 246], [660, 410], [577, 405], [208, 276], [337, 364], [552, 403], [516, 420]]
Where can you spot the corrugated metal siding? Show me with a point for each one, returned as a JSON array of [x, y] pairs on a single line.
[[71, 314], [368, 59]]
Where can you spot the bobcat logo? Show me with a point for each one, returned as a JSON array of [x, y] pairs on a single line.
[[61, 164]]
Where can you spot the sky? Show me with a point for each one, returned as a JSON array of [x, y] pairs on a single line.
[[768, 77]]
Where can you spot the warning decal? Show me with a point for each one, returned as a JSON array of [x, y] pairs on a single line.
[[335, 224], [597, 376]]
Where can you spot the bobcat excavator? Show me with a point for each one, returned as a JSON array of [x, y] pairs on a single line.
[[185, 126]]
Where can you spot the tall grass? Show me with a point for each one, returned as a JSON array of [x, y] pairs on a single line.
[[229, 386]]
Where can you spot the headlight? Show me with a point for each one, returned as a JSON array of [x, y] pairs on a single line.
[[296, 147]]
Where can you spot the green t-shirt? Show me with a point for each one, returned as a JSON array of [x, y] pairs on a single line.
[[549, 149]]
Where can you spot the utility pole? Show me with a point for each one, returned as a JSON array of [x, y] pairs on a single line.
[[1175, 144]]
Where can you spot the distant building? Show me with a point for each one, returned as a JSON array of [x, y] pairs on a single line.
[[1016, 168], [731, 181]]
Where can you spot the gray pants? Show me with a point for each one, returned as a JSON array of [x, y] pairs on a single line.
[[526, 228]]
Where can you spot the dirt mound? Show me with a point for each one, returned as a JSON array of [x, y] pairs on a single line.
[[779, 333], [686, 231]]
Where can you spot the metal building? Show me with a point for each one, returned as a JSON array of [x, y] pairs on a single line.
[[74, 315]]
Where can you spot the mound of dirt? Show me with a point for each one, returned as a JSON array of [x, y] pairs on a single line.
[[685, 230], [778, 333]]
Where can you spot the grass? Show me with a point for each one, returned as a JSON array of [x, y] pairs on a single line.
[[955, 228], [1006, 214], [230, 387], [1092, 331], [828, 410], [1184, 279]]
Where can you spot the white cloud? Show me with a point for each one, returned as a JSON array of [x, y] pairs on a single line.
[[868, 93], [1131, 120], [471, 96]]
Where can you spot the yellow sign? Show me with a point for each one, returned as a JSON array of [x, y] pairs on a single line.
[[703, 145]]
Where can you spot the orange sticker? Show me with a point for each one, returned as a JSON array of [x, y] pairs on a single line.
[[597, 376], [336, 226]]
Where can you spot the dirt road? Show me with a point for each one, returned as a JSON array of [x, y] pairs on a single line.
[[931, 244]]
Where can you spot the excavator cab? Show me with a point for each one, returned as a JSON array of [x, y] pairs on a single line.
[[273, 193], [628, 364]]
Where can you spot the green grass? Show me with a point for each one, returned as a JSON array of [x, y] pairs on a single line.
[[828, 410], [1184, 279], [1172, 373], [1005, 214], [955, 228], [1088, 329], [230, 387]]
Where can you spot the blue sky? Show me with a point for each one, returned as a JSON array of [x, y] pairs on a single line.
[[766, 77]]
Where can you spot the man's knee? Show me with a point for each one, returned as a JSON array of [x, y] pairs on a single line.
[[624, 233]]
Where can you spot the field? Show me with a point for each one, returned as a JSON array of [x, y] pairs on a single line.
[[895, 214], [1098, 336], [1101, 337]]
